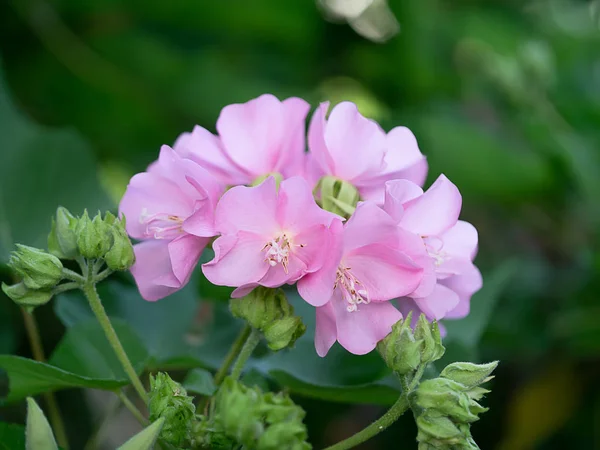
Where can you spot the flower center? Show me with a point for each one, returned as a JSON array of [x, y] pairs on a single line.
[[434, 247], [351, 288], [161, 225], [278, 251]]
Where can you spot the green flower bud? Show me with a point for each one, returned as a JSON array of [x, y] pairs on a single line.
[[62, 240], [269, 311], [121, 255], [429, 335], [278, 179], [259, 421], [337, 196], [169, 400], [93, 236], [399, 349], [469, 374], [25, 297], [449, 398], [436, 426], [39, 270]]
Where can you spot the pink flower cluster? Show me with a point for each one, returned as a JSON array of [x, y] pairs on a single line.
[[401, 249]]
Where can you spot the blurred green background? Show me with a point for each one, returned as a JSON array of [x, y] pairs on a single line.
[[503, 96]]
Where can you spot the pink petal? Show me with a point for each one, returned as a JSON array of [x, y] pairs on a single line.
[[361, 330], [403, 158], [277, 276], [202, 222], [325, 332], [185, 252], [320, 156], [242, 291], [356, 144], [461, 240], [297, 209], [434, 212], [384, 272], [152, 270], [397, 193], [204, 148], [292, 151], [438, 303], [252, 133], [148, 194], [465, 285], [251, 209], [413, 246], [317, 288], [239, 260], [369, 224], [314, 245]]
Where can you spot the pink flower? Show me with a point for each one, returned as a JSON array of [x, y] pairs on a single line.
[[171, 209], [269, 238], [371, 266], [451, 245], [261, 137], [355, 149]]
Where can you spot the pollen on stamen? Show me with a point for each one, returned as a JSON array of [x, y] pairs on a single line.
[[278, 251], [351, 289], [161, 225]]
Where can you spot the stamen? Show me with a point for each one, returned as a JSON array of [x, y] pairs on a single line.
[[434, 247], [161, 225], [351, 289], [278, 251]]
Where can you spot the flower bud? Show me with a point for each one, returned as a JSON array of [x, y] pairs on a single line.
[[449, 398], [93, 236], [337, 196], [399, 349], [468, 374], [259, 421], [25, 297], [62, 240], [121, 255], [169, 400], [269, 311], [436, 426], [429, 335], [39, 270]]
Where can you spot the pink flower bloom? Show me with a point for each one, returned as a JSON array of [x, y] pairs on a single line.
[[171, 209], [261, 137], [371, 266], [451, 244], [355, 149], [269, 237]]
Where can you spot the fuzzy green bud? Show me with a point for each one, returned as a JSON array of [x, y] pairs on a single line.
[[269, 311], [259, 421], [449, 398], [25, 297], [93, 236], [469, 374], [62, 240], [169, 400], [400, 349], [39, 269], [337, 196], [431, 340], [121, 255]]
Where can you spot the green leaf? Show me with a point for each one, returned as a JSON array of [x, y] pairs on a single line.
[[40, 168], [38, 433], [146, 438], [200, 381], [12, 437], [83, 359]]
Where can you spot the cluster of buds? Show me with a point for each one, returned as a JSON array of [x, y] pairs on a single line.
[[405, 350], [169, 400], [259, 421], [445, 407], [269, 311], [102, 240]]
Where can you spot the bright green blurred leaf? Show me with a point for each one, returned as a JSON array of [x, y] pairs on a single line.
[[146, 438], [38, 433], [200, 381]]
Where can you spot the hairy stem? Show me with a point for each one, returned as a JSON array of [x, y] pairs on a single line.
[[249, 346], [234, 351], [376, 427], [37, 349], [89, 289]]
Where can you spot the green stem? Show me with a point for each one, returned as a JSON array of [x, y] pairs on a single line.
[[249, 346], [73, 276], [102, 275], [234, 351], [37, 349], [64, 287], [376, 427], [132, 408], [89, 289], [416, 378]]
